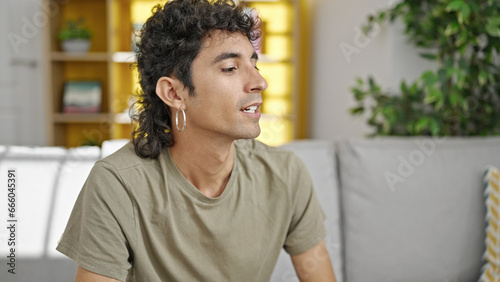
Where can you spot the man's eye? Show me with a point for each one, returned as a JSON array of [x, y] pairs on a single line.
[[231, 69]]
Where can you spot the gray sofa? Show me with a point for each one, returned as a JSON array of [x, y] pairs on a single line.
[[398, 209]]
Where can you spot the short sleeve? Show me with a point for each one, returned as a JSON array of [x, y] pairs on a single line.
[[307, 225], [97, 236]]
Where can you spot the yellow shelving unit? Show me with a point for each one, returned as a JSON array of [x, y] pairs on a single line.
[[110, 58], [277, 65]]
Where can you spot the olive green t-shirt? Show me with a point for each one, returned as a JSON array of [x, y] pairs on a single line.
[[141, 220]]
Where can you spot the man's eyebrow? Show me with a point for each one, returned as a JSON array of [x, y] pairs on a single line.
[[230, 55], [226, 55]]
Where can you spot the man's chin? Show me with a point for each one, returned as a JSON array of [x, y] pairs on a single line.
[[251, 134]]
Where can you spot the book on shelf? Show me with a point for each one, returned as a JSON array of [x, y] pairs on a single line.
[[82, 97]]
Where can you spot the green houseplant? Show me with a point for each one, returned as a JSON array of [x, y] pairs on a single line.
[[75, 36], [462, 95]]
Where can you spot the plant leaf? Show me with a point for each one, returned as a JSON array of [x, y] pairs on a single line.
[[433, 95], [429, 78], [493, 26], [463, 14], [452, 28], [357, 110], [403, 87], [455, 99], [482, 77], [434, 127], [455, 5], [358, 94], [422, 124], [429, 56], [462, 38]]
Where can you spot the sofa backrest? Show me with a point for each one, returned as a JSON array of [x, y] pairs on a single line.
[[407, 209], [413, 208], [319, 158]]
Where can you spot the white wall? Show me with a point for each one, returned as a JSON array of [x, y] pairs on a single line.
[[22, 110], [386, 56]]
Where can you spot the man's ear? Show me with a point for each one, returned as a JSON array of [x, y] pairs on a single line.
[[170, 91]]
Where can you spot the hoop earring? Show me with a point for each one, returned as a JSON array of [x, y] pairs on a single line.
[[177, 120]]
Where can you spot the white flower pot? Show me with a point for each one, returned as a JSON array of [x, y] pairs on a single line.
[[76, 45]]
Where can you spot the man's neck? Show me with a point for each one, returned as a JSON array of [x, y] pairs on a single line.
[[206, 165]]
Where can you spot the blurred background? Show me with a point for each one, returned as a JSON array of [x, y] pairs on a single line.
[[311, 53], [67, 77]]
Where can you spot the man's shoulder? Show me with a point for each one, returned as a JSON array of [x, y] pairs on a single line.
[[126, 157]]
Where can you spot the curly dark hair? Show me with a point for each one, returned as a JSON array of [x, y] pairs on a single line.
[[170, 40]]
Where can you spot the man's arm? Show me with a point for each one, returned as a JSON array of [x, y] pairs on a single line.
[[83, 275], [314, 265]]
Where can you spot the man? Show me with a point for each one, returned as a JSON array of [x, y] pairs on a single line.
[[188, 200]]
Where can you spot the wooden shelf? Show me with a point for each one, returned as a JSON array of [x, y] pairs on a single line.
[[129, 57], [122, 118], [260, 0], [85, 57], [263, 58], [81, 118], [124, 57]]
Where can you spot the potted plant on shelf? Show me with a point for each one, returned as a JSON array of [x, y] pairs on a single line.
[[75, 36], [461, 96]]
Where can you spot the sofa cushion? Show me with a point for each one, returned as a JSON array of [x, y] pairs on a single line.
[[36, 177], [319, 158], [111, 146], [413, 208], [49, 180], [491, 269]]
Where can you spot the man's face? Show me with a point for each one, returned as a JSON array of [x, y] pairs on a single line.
[[228, 88]]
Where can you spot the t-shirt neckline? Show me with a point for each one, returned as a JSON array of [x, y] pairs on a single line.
[[191, 189]]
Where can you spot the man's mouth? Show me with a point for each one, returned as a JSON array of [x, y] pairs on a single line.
[[250, 109]]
